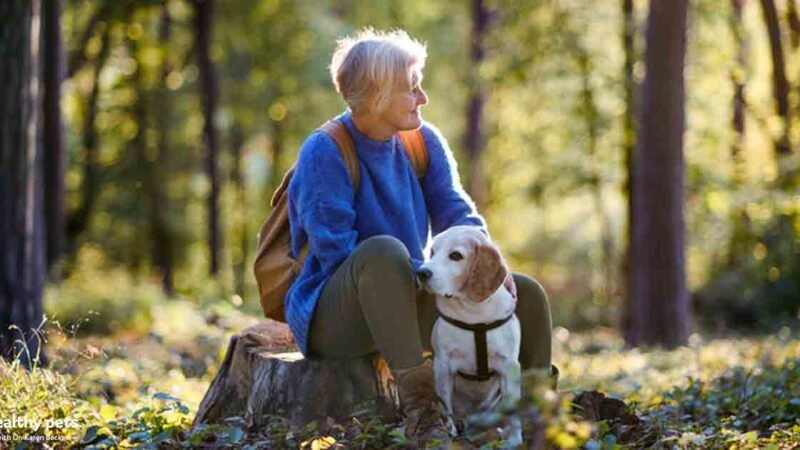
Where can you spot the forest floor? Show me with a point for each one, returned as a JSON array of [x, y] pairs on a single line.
[[142, 389]]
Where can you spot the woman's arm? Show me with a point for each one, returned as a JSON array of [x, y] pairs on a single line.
[[321, 197], [447, 202]]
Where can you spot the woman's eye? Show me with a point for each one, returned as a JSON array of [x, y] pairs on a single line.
[[456, 256]]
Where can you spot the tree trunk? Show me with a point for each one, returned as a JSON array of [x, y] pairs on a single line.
[[590, 115], [475, 132], [53, 131], [276, 172], [77, 58], [628, 145], [794, 23], [78, 221], [22, 227], [160, 205], [209, 91], [237, 179], [254, 382], [780, 85], [659, 307], [739, 243]]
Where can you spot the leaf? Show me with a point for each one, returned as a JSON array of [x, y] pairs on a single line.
[[750, 436], [323, 443], [164, 396], [139, 436], [234, 435], [91, 434], [108, 412]]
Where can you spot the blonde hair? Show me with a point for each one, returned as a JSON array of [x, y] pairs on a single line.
[[368, 67]]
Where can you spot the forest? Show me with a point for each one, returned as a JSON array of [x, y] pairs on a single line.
[[640, 159]]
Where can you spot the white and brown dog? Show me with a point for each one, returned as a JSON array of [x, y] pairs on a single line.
[[476, 337]]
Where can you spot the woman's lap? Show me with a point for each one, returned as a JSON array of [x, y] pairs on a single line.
[[372, 303]]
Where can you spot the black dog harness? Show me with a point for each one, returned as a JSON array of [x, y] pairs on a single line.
[[479, 332]]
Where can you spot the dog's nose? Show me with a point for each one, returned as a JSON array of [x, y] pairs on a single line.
[[424, 274]]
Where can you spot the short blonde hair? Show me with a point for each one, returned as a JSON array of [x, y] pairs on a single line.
[[368, 67]]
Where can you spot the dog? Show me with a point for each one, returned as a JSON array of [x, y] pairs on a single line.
[[476, 337]]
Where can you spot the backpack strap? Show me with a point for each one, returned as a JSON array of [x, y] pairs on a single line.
[[414, 145], [337, 131]]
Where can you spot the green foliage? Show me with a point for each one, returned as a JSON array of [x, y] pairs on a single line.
[[743, 408], [143, 391], [98, 299], [759, 286], [44, 396]]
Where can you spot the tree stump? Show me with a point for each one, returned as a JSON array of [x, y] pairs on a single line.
[[255, 382]]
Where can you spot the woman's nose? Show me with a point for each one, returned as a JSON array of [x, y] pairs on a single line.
[[422, 97]]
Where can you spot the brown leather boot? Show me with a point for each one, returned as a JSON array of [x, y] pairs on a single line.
[[425, 418]]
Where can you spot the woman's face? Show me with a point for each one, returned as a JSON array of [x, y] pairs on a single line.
[[403, 111]]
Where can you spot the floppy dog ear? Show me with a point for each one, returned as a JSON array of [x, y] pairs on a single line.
[[487, 273]]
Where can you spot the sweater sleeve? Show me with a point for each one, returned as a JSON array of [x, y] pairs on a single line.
[[323, 195], [447, 202]]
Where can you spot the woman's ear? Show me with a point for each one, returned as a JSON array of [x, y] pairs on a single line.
[[487, 273]]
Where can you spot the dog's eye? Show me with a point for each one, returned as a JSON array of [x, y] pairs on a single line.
[[456, 256]]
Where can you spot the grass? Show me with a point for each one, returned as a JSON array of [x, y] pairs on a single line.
[[141, 389]]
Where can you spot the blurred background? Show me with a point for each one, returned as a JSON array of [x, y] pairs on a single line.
[[178, 112], [638, 158]]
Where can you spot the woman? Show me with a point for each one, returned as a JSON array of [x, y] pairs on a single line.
[[356, 292]]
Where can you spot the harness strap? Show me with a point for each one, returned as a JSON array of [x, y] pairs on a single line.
[[481, 353]]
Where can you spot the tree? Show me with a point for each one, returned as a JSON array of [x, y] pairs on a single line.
[[53, 132], [475, 134], [629, 132], [22, 232], [209, 89], [739, 243], [780, 85], [78, 220], [159, 225], [659, 301]]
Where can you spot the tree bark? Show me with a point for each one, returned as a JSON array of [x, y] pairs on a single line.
[[590, 115], [77, 58], [22, 227], [780, 85], [159, 201], [78, 221], [209, 91], [237, 178], [628, 145], [739, 243], [475, 132], [275, 170], [794, 23], [53, 131], [254, 382], [659, 307]]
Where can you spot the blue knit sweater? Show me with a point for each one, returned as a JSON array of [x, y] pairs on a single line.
[[325, 211]]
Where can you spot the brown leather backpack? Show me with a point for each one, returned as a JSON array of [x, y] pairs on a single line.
[[274, 266]]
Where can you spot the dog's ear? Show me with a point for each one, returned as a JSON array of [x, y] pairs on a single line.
[[487, 274]]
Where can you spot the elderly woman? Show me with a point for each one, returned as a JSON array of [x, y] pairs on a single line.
[[356, 292]]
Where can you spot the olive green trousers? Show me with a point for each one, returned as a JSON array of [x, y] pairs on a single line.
[[372, 303]]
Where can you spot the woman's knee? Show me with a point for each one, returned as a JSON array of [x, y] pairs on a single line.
[[383, 252], [531, 295]]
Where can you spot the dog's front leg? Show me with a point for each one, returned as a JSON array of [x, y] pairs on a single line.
[[444, 388], [511, 388]]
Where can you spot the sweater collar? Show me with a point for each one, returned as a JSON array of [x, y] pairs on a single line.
[[365, 145]]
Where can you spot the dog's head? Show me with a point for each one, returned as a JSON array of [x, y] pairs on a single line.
[[464, 263]]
